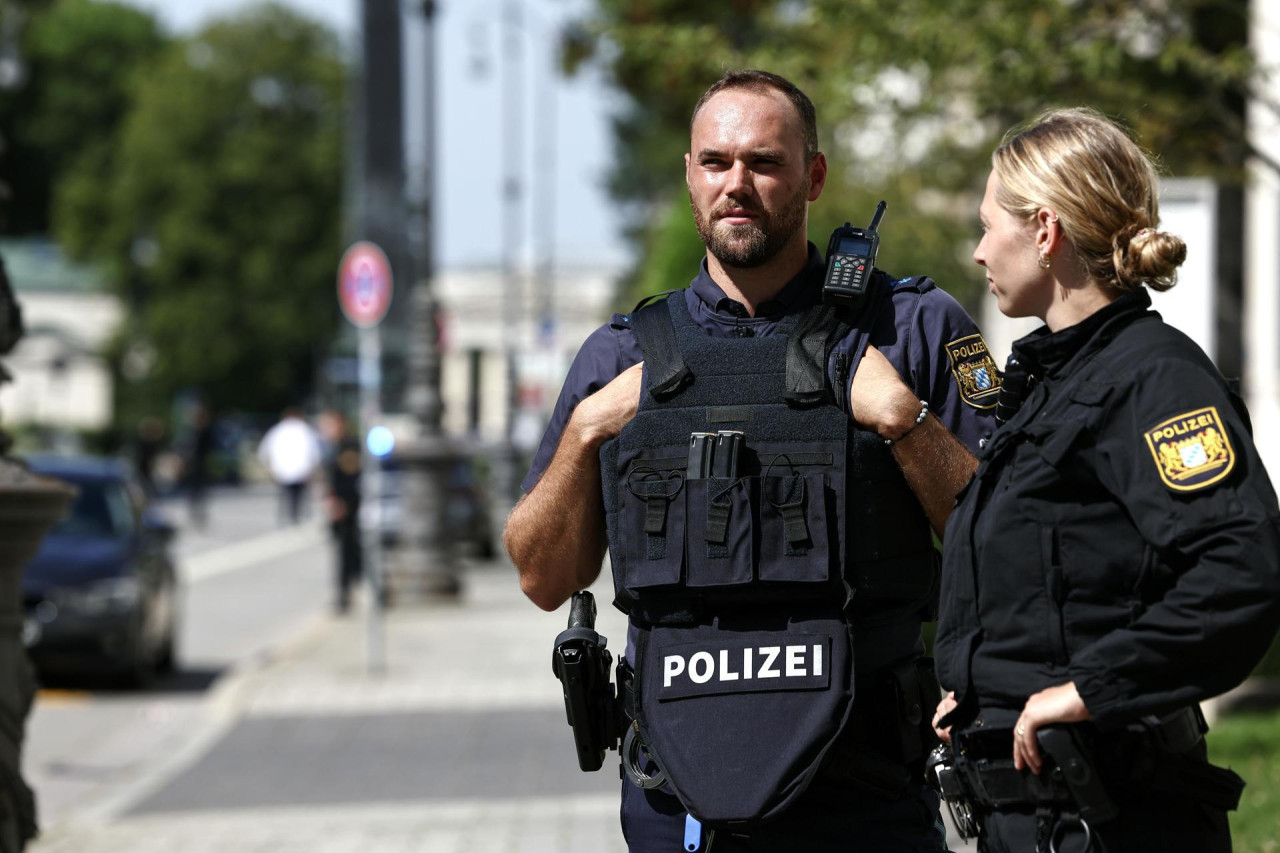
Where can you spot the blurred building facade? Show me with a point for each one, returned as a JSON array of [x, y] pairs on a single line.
[[60, 377], [562, 310]]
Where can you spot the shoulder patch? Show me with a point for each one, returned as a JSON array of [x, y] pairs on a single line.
[[1191, 450], [975, 371]]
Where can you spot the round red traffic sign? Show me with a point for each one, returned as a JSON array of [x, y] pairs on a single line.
[[364, 284]]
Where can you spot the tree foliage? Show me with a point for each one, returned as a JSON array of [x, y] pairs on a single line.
[[912, 96], [219, 216], [80, 61]]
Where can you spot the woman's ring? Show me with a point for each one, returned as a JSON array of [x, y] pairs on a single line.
[[1022, 730]]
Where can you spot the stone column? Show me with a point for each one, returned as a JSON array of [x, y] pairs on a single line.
[[1262, 237]]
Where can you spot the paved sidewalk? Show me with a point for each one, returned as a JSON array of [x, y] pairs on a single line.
[[460, 745]]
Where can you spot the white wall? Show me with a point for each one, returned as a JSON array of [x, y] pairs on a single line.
[[58, 377], [1262, 240]]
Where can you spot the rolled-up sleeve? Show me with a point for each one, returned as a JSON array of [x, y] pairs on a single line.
[[605, 353]]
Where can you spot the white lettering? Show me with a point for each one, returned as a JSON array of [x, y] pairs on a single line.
[[795, 661], [746, 664], [672, 665], [766, 667], [817, 660], [725, 673], [709, 667]]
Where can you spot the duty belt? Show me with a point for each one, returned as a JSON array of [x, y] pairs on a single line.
[[976, 774]]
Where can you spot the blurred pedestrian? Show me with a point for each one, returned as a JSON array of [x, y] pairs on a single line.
[[342, 502], [148, 444], [198, 449], [291, 453]]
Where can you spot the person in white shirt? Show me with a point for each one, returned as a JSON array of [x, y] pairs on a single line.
[[290, 450]]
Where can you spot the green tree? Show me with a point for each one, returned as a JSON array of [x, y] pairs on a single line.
[[220, 220], [912, 95], [79, 61]]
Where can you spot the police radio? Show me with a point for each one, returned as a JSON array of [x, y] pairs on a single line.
[[851, 255]]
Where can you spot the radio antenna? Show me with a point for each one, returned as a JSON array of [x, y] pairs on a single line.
[[879, 214]]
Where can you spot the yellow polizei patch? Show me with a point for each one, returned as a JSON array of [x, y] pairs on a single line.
[[975, 371], [1191, 450]]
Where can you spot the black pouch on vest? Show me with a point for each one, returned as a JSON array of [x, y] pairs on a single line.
[[740, 719]]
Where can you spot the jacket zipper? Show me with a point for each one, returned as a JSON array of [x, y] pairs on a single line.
[[842, 367]]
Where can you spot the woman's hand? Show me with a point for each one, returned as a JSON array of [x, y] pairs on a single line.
[[1060, 704], [945, 707]]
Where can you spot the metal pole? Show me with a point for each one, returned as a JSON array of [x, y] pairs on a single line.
[[545, 222], [512, 234], [370, 348]]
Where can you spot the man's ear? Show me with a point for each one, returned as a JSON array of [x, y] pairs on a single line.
[[817, 175]]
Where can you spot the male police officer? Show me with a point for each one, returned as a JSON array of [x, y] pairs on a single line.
[[745, 664]]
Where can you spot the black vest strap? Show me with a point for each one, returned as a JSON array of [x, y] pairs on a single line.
[[656, 335], [807, 351]]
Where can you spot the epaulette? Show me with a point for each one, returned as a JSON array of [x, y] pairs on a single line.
[[918, 283]]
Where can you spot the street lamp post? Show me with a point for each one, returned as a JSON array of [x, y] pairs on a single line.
[[426, 565]]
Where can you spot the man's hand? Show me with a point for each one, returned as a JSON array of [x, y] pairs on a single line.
[[935, 464], [1060, 704], [603, 415], [879, 399]]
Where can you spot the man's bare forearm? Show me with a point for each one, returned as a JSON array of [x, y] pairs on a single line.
[[556, 533], [936, 466]]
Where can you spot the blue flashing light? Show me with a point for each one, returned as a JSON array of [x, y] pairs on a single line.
[[380, 441]]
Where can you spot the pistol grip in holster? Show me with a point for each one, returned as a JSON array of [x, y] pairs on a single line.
[[581, 660], [1073, 759]]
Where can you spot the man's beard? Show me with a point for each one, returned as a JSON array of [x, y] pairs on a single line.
[[754, 243]]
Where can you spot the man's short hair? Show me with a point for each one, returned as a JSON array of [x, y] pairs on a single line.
[[758, 81]]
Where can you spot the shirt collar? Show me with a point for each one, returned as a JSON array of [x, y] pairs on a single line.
[[800, 291], [1048, 353]]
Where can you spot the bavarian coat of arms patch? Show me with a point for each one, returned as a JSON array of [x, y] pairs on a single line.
[[1191, 450], [975, 371]]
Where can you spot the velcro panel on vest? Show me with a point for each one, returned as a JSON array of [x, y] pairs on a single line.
[[740, 716]]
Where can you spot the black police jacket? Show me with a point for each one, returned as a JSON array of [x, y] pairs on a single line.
[[1120, 531]]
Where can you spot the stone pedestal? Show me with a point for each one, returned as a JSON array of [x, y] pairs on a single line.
[[424, 564]]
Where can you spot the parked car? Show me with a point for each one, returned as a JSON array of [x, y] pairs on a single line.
[[100, 596]]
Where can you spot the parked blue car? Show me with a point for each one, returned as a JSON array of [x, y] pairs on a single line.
[[100, 596]]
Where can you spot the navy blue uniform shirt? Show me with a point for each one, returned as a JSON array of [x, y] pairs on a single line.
[[923, 332]]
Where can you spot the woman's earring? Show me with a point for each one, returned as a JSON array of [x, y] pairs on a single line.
[[1045, 261]]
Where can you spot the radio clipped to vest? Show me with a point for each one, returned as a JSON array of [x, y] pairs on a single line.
[[851, 256]]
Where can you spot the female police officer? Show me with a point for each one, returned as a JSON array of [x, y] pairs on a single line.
[[1114, 560]]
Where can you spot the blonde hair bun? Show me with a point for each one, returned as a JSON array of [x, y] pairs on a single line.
[[1103, 188], [1147, 255]]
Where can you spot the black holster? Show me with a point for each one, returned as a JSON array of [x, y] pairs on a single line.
[[883, 748]]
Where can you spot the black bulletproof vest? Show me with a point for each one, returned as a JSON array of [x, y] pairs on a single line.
[[745, 588]]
